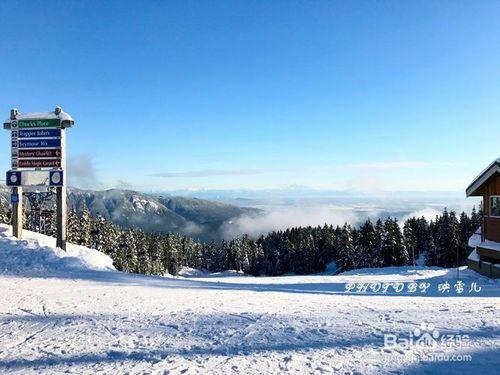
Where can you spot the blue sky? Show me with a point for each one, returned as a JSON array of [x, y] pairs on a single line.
[[261, 94]]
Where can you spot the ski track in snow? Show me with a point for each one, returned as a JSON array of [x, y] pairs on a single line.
[[86, 318]]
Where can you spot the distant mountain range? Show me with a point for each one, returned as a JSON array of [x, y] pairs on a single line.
[[198, 218]]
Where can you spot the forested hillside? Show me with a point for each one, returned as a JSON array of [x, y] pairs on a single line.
[[302, 250], [197, 218]]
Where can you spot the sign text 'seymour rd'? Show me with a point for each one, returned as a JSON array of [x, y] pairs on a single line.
[[38, 143]]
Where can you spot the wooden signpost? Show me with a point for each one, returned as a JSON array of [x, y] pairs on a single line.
[[38, 150]]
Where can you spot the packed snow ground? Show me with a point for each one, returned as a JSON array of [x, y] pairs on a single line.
[[71, 312]]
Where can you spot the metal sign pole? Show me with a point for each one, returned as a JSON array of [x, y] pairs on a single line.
[[61, 217], [17, 212]]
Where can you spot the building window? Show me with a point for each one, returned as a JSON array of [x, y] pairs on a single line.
[[495, 206]]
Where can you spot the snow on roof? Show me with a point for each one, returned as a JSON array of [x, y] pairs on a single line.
[[41, 115], [490, 245], [475, 240], [493, 168], [473, 256]]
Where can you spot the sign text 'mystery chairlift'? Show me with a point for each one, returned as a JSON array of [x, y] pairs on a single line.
[[38, 150]]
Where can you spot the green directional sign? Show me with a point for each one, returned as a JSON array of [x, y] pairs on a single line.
[[36, 123]]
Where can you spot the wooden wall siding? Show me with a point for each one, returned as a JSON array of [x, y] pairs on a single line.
[[491, 224], [492, 229]]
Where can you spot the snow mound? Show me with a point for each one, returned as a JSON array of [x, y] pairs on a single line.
[[37, 255], [192, 272], [187, 272]]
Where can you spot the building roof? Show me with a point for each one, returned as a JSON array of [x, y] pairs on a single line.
[[490, 171]]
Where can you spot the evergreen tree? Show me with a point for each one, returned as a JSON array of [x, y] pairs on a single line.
[[141, 247], [73, 227], [3, 215], [367, 251], [85, 227], [410, 242], [378, 244], [476, 220], [446, 252], [347, 253], [394, 252], [127, 253], [154, 249]]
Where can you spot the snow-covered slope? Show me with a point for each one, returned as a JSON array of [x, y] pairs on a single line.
[[36, 255], [71, 312]]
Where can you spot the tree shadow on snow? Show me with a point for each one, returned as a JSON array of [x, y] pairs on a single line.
[[488, 289], [212, 335]]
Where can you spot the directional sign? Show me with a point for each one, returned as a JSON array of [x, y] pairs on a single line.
[[13, 178], [39, 163], [36, 133], [36, 123], [38, 143], [38, 153]]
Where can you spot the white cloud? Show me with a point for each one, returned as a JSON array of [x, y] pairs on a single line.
[[82, 172], [287, 217], [429, 213], [307, 169]]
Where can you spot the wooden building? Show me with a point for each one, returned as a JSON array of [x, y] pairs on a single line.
[[485, 257]]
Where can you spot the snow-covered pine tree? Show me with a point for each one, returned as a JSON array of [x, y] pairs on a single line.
[[378, 244], [97, 233], [394, 252], [305, 253], [155, 254], [191, 253], [347, 252], [209, 251], [366, 249], [172, 254], [288, 252], [127, 253], [410, 241], [73, 227], [3, 215], [327, 243], [476, 219], [255, 257], [466, 232], [141, 246], [272, 257], [447, 241], [245, 254], [85, 226]]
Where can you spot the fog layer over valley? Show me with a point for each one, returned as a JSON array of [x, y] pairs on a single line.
[[229, 214]]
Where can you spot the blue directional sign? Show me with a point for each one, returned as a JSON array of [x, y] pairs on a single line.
[[56, 178], [39, 143], [13, 178], [37, 133]]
